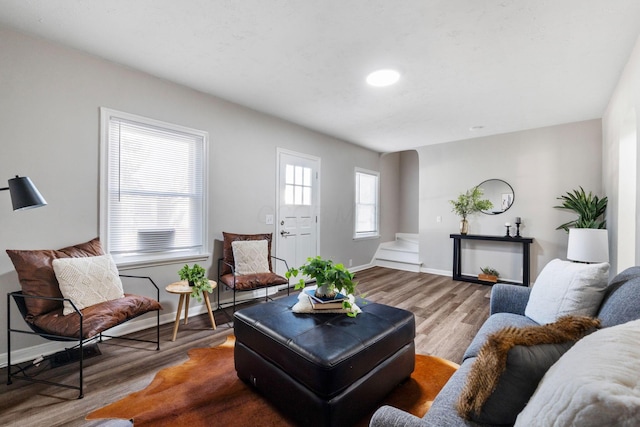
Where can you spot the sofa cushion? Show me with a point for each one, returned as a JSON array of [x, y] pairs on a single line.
[[493, 324], [443, 410], [595, 383], [621, 302], [87, 281], [36, 275], [511, 363], [567, 288]]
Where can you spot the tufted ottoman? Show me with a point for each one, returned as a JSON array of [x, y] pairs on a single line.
[[324, 369]]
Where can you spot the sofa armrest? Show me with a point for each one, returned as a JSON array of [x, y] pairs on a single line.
[[387, 416], [509, 298]]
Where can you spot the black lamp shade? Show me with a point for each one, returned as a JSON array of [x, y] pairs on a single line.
[[24, 195]]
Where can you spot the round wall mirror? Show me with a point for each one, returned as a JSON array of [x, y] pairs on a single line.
[[500, 193]]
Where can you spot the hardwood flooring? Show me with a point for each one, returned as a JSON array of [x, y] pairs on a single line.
[[448, 314]]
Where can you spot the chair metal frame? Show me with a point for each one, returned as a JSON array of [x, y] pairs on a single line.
[[20, 300]]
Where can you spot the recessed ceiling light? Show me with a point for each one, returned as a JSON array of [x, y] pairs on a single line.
[[382, 78]]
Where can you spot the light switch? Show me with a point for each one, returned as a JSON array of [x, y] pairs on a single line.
[[269, 219]]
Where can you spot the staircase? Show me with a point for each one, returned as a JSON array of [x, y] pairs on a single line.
[[401, 254]]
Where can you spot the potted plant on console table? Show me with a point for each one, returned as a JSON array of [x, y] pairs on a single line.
[[469, 203], [331, 279]]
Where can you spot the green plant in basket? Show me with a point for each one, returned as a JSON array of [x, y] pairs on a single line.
[[490, 271], [331, 278], [197, 278]]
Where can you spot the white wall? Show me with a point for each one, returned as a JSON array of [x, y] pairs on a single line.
[[49, 128], [409, 192], [540, 164], [625, 101], [389, 195]]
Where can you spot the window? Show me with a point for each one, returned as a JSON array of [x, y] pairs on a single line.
[[153, 190], [297, 187], [367, 203]]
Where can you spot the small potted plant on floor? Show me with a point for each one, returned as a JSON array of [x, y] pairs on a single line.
[[489, 275], [197, 279], [331, 279]]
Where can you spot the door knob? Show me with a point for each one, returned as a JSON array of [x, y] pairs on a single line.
[[284, 233]]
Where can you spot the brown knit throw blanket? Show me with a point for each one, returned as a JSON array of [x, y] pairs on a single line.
[[492, 357]]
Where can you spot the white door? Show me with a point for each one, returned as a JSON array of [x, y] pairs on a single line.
[[298, 208]]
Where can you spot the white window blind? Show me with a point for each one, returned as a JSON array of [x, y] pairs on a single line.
[[154, 177], [367, 205]]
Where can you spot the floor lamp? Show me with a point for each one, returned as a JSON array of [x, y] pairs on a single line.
[[24, 195]]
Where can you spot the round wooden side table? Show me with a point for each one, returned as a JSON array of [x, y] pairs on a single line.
[[183, 289]]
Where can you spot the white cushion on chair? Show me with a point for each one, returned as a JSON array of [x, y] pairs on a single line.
[[87, 281], [251, 256]]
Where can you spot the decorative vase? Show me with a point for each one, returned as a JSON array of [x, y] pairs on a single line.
[[325, 292], [464, 226], [191, 283]]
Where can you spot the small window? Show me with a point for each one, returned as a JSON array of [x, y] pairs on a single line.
[[367, 203], [297, 190], [153, 190]]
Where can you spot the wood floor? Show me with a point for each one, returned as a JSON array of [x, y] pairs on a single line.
[[448, 314]]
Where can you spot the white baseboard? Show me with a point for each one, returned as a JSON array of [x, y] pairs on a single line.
[[434, 271]]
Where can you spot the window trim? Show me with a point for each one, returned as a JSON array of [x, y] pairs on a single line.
[[366, 235], [157, 258]]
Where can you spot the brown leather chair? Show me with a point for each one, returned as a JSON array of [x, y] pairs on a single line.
[[40, 303], [227, 274]]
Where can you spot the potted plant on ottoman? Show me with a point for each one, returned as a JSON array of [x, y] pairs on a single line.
[[331, 278]]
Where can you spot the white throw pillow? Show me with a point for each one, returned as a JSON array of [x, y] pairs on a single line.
[[251, 256], [87, 281], [594, 384], [565, 287]]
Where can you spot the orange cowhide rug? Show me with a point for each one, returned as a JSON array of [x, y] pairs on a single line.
[[205, 391]]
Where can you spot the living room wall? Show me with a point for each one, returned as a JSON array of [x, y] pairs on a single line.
[[540, 165], [49, 127], [624, 107]]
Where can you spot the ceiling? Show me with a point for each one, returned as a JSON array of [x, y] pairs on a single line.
[[505, 65]]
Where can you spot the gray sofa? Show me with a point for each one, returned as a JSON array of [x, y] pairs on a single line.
[[620, 304]]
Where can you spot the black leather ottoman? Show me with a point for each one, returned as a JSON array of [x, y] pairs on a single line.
[[324, 369]]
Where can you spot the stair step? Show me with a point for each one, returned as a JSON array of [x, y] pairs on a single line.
[[400, 246], [398, 265], [401, 254]]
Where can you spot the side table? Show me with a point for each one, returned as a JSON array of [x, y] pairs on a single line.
[[183, 289]]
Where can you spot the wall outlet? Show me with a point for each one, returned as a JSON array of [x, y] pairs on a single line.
[[438, 218], [269, 219]]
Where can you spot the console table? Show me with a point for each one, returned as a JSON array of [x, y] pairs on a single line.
[[457, 257]]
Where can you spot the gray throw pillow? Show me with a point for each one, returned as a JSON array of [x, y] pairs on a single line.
[[526, 365], [511, 363]]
